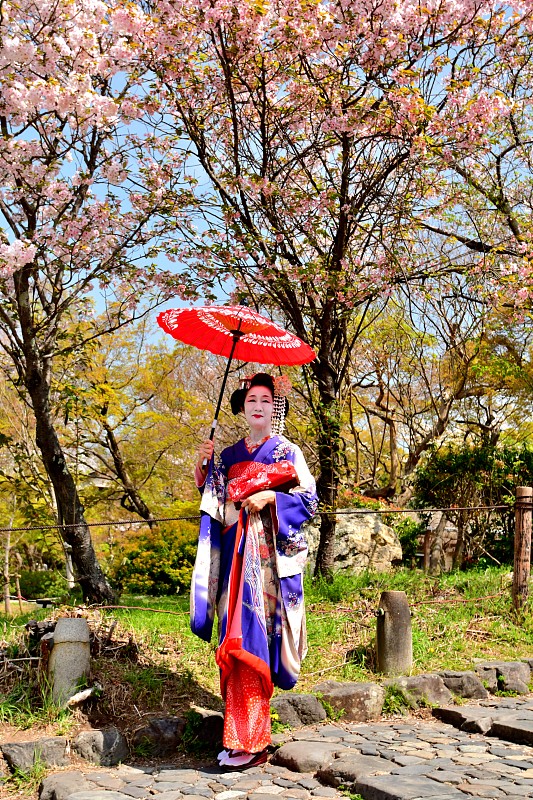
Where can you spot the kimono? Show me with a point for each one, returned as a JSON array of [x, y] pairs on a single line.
[[249, 568]]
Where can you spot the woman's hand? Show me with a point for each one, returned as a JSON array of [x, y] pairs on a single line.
[[256, 502], [205, 452]]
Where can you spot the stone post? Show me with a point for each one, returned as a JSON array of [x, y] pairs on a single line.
[[70, 658], [394, 639]]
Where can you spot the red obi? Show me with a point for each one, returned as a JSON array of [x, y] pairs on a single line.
[[249, 477]]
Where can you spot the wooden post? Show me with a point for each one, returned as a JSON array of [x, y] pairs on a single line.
[[427, 549], [19, 596], [522, 545], [7, 590]]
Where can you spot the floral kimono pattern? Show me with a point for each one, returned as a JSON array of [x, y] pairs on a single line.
[[249, 568]]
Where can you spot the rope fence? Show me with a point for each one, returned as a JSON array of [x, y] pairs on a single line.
[[522, 508], [196, 517]]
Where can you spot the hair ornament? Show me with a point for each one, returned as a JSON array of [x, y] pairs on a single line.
[[282, 385]]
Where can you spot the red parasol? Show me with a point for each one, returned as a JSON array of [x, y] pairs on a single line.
[[235, 332], [259, 339]]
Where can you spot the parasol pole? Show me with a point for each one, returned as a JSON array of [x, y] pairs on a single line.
[[236, 336]]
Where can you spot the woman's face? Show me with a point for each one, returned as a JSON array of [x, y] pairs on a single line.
[[258, 407]]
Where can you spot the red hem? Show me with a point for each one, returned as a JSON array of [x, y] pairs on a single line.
[[233, 649]]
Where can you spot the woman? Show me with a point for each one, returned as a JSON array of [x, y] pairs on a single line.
[[251, 556]]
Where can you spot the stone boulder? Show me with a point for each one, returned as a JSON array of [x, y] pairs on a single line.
[[297, 710], [106, 747], [422, 689], [50, 751], [159, 737], [208, 726], [348, 769], [362, 541], [506, 676], [464, 684], [305, 756], [63, 784], [356, 702]]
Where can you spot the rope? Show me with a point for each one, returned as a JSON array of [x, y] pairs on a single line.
[[196, 517]]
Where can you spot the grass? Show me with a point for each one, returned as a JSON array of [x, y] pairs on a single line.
[[27, 783], [26, 701], [165, 668], [396, 701]]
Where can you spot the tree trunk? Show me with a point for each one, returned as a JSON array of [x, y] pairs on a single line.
[[460, 544], [436, 549], [328, 444], [76, 533], [132, 500]]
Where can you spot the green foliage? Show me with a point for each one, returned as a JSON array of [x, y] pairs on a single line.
[[194, 741], [350, 499], [145, 748], [331, 713], [409, 533], [148, 684], [275, 724], [159, 561], [396, 701], [29, 702], [42, 583], [471, 475]]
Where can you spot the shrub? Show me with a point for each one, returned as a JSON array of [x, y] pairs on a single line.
[[409, 533], [42, 583], [158, 561]]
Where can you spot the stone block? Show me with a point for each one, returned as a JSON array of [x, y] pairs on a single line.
[[508, 676], [472, 719], [98, 794], [359, 702], [394, 638], [160, 736], [464, 684], [305, 756], [173, 795], [262, 796], [209, 726], [347, 769], [384, 787], [106, 747], [50, 751], [298, 710], [70, 658], [514, 676], [426, 689], [63, 785], [514, 730]]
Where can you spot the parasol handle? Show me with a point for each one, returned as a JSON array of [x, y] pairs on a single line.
[[236, 336]]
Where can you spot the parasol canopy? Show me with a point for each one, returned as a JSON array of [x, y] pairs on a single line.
[[235, 332], [214, 328]]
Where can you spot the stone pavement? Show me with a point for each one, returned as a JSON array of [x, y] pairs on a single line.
[[395, 759]]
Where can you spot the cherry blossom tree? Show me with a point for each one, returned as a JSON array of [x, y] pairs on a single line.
[[306, 129], [479, 165], [83, 191]]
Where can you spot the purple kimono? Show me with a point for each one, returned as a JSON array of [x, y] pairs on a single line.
[[269, 550]]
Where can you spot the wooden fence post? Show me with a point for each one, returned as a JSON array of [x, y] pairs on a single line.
[[522, 545]]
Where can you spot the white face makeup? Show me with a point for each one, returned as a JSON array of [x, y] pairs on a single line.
[[258, 407]]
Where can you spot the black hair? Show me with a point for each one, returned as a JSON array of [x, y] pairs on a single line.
[[239, 395]]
